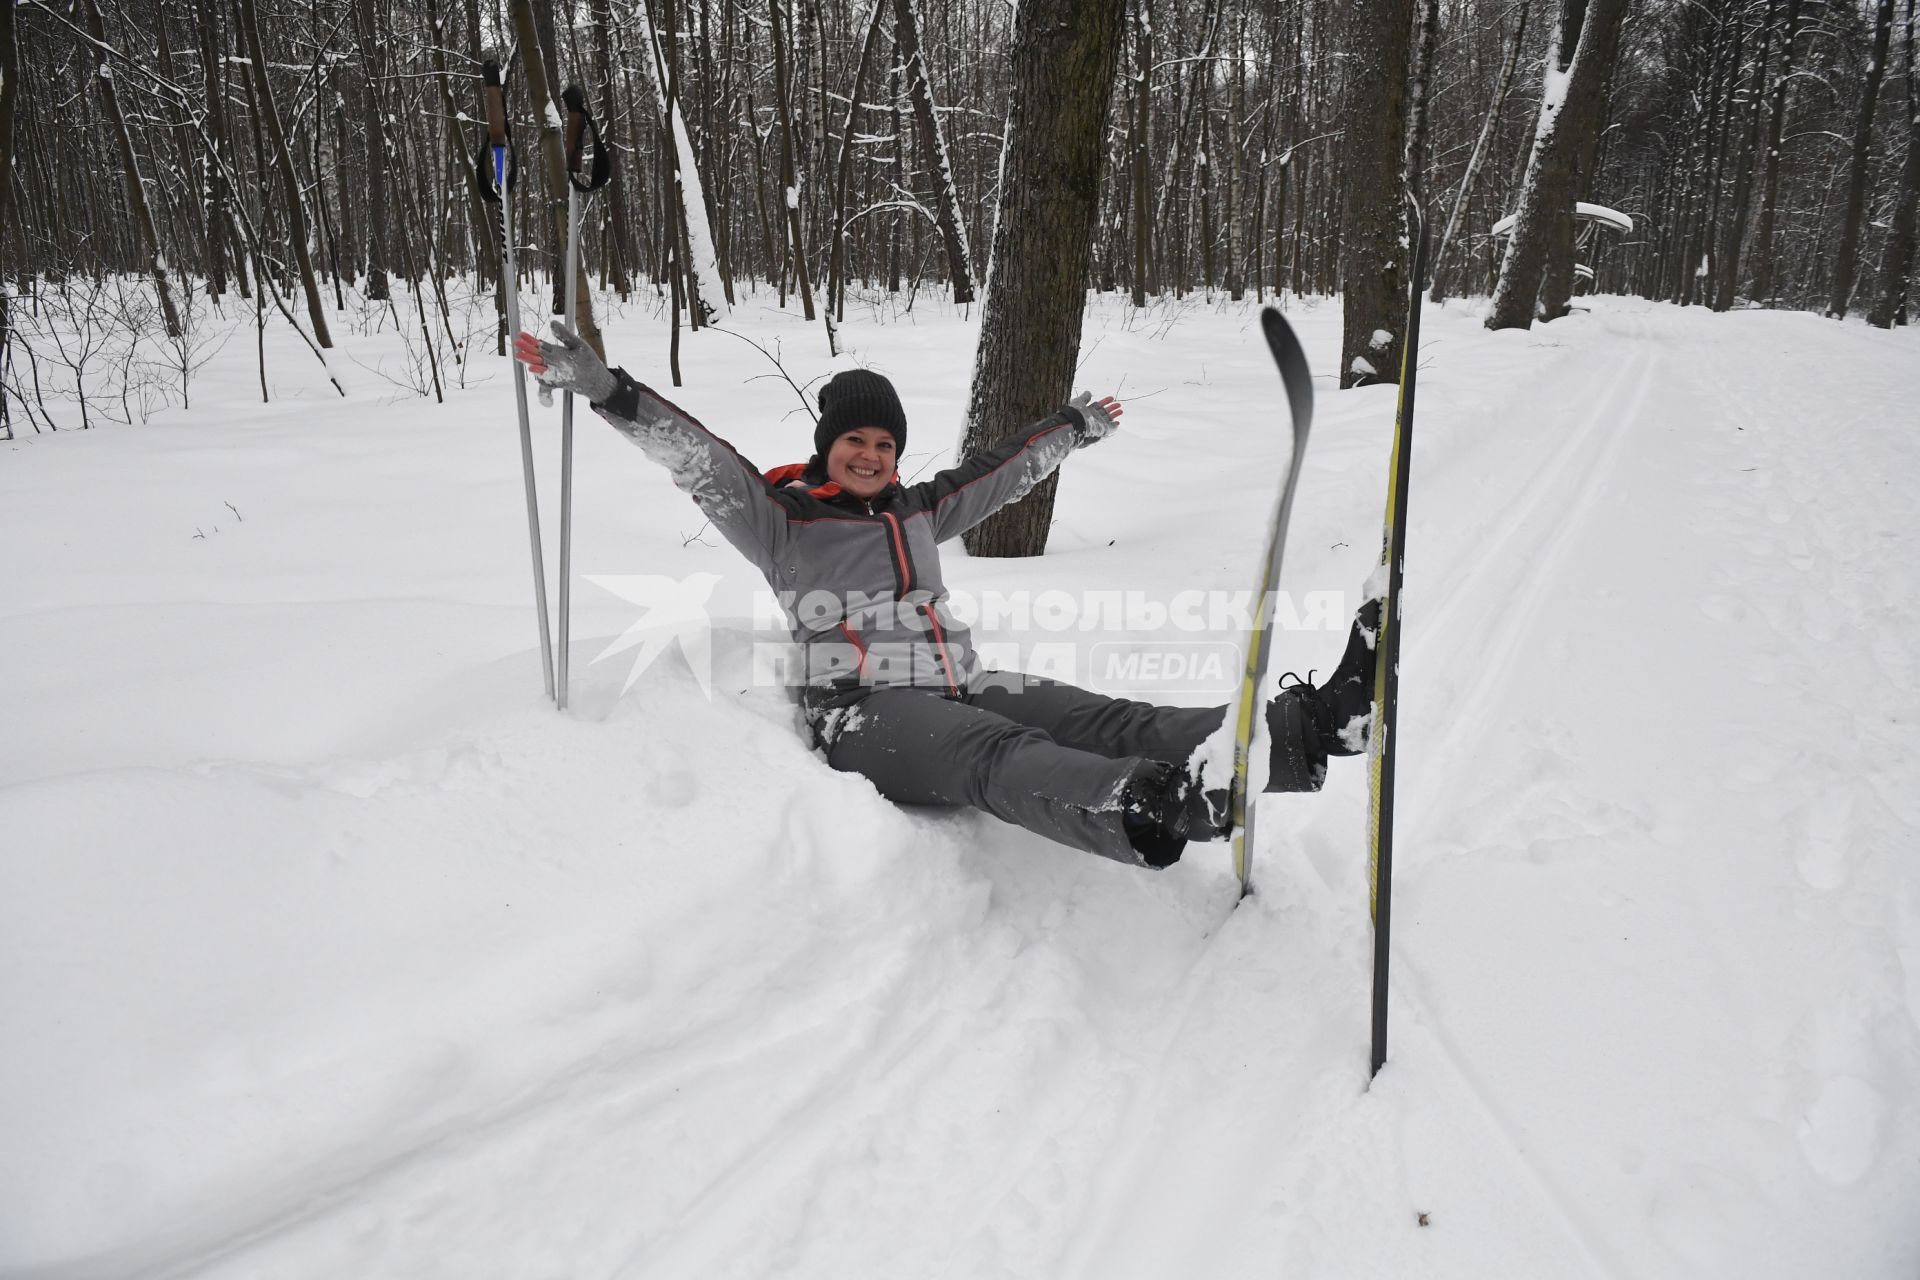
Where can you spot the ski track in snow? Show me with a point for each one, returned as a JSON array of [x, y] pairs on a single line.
[[1498, 623], [363, 964]]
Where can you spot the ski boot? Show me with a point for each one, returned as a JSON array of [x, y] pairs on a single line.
[[1306, 724], [1164, 806]]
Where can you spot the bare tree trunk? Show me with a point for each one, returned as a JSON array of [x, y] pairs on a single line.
[[1064, 57], [776, 262], [1719, 103], [1236, 125], [379, 153], [1373, 243], [480, 225], [686, 192], [1170, 260], [9, 78], [9, 89], [836, 300], [1556, 281], [1728, 276], [1286, 268], [1142, 140], [1203, 186], [899, 181], [1511, 64], [719, 189], [1770, 183], [933, 144], [1846, 259], [218, 196], [534, 61], [1578, 61], [1419, 87], [789, 179], [185, 152], [1896, 259], [136, 193], [615, 269], [267, 113], [347, 256]]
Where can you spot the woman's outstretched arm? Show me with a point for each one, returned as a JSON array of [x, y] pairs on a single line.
[[728, 488]]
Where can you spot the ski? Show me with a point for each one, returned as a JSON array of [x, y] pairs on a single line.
[[494, 173], [1291, 360], [1386, 651]]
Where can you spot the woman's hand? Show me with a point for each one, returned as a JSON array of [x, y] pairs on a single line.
[[566, 365], [1100, 418]]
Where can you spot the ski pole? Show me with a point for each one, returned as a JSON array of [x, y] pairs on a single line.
[[495, 169], [580, 126]]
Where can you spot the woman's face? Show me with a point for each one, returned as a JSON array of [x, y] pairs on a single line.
[[862, 461]]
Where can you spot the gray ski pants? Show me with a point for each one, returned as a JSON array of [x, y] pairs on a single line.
[[1043, 755]]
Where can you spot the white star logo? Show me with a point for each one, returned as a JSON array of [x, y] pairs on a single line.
[[675, 609]]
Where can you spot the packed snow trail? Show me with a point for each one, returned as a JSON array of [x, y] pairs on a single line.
[[331, 951]]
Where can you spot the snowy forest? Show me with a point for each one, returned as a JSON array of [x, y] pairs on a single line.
[[1761, 152], [968, 639]]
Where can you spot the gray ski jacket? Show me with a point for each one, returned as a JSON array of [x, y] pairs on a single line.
[[860, 580]]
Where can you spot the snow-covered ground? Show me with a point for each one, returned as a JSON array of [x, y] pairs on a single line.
[[328, 948]]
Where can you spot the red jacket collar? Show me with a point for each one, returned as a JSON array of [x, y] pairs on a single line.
[[795, 473]]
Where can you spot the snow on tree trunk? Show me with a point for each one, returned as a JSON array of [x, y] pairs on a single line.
[[1479, 149], [709, 294], [953, 229], [136, 192], [551, 197], [836, 300], [1846, 260], [1770, 183], [1557, 280], [1727, 281], [1896, 259], [1373, 237], [1578, 59], [296, 212], [379, 153], [1417, 111], [1137, 150], [795, 244], [9, 85]]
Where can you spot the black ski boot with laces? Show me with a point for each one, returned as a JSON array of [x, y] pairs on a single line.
[[1306, 724]]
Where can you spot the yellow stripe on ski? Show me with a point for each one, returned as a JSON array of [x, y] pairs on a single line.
[[1243, 723], [1389, 609]]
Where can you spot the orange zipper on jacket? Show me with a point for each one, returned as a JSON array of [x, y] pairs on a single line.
[[899, 541]]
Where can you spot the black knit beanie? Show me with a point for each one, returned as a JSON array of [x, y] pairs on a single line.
[[858, 398]]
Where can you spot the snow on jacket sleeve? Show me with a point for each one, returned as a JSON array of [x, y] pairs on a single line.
[[728, 488], [964, 496]]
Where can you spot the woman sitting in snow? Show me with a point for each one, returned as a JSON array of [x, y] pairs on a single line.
[[893, 691]]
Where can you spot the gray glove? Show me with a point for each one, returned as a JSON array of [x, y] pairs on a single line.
[[1096, 422], [566, 365]]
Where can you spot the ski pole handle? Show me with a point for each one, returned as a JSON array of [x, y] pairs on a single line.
[[495, 164], [576, 104], [581, 128], [493, 96]]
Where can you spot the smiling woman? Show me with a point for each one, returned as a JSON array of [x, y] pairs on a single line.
[[862, 461], [861, 432], [891, 687]]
